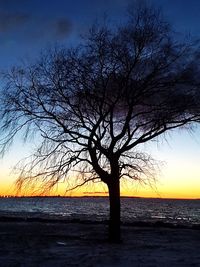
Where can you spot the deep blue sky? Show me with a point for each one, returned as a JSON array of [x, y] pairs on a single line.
[[27, 26]]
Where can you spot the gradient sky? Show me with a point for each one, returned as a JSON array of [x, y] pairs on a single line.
[[27, 26]]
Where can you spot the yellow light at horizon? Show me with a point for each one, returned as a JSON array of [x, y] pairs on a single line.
[[176, 190], [179, 178]]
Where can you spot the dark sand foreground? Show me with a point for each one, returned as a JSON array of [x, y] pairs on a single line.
[[84, 244]]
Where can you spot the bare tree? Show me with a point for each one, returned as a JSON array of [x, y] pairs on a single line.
[[93, 106]]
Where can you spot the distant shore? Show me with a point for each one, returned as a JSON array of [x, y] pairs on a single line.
[[74, 243], [100, 196]]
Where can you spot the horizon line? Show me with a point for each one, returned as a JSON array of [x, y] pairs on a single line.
[[94, 196]]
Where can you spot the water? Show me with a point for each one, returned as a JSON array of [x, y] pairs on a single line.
[[185, 212]]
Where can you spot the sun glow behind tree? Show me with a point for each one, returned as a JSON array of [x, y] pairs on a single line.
[[179, 177]]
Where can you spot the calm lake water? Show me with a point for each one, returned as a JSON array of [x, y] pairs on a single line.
[[97, 209]]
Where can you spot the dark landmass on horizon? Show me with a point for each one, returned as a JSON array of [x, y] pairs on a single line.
[[90, 196]]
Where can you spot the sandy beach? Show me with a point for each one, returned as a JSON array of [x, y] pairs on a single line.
[[84, 244]]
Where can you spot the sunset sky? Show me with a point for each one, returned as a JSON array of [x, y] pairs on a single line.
[[27, 26]]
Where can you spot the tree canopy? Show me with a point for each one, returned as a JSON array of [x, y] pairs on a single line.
[[93, 105]]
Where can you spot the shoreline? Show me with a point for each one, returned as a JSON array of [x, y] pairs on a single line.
[[34, 218], [81, 244]]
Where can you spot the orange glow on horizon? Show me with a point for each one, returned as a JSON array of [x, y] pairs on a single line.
[[179, 177], [127, 190]]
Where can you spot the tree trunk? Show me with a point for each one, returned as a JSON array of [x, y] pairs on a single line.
[[114, 222]]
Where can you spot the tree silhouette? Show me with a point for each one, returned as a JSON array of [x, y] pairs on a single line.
[[92, 106]]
